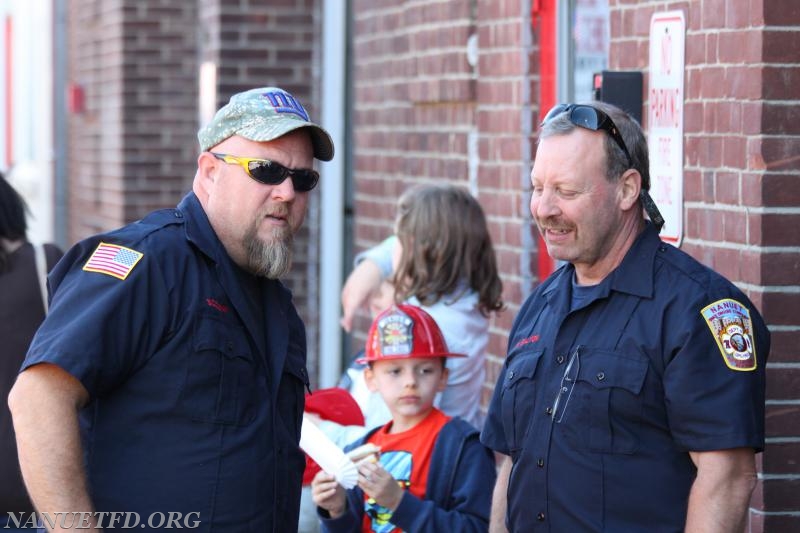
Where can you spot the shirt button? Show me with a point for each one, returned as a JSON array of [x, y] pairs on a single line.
[[601, 376], [540, 463], [510, 374], [548, 411], [560, 359], [540, 517]]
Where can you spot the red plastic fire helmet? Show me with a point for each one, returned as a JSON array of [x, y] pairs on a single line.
[[405, 331]]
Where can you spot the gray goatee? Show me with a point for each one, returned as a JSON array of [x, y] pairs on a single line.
[[270, 259]]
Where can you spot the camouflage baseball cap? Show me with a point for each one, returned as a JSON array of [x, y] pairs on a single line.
[[263, 114]]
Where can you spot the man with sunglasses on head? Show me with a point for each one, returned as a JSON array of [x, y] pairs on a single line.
[[632, 395], [168, 378]]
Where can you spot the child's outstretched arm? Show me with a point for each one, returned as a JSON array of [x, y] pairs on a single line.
[[328, 494], [364, 279], [372, 267]]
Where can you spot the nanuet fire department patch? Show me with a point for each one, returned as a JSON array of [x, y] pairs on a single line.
[[730, 323]]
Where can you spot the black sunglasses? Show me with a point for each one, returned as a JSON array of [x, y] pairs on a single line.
[[590, 118], [272, 173]]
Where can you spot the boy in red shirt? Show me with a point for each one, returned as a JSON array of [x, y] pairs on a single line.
[[433, 474]]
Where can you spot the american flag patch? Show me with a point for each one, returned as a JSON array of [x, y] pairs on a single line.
[[113, 260]]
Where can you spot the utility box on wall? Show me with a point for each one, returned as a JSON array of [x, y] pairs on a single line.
[[620, 88]]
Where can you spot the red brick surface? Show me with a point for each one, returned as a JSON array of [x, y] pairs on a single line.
[[788, 522], [783, 458], [782, 496]]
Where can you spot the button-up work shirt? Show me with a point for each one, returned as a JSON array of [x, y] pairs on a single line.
[[599, 405]]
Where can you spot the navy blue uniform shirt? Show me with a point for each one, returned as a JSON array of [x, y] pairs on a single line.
[[598, 406], [195, 405]]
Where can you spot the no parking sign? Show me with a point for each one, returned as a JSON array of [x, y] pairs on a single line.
[[665, 119]]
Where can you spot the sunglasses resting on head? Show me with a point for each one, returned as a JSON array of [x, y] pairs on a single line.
[[272, 173], [591, 118]]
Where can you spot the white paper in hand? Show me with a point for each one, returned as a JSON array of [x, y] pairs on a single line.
[[327, 455]]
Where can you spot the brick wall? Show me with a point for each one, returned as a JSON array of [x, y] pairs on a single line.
[[740, 191], [507, 94], [95, 134], [773, 181], [413, 105], [132, 148], [159, 103]]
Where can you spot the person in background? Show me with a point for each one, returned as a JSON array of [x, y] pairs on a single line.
[[169, 376], [432, 474], [441, 259], [632, 395], [22, 308]]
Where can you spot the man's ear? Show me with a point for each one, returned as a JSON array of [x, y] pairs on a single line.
[[630, 184], [207, 166]]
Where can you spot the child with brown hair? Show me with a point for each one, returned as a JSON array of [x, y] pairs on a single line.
[[433, 474], [442, 260]]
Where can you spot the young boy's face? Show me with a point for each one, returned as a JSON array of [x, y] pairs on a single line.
[[408, 386]]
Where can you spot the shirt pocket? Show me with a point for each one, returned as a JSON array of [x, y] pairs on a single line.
[[518, 396], [294, 383], [221, 378], [607, 405]]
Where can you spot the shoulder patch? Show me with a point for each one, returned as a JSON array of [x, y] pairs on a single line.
[[729, 322], [113, 260]]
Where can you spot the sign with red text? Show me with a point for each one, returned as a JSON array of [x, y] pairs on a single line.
[[665, 119]]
